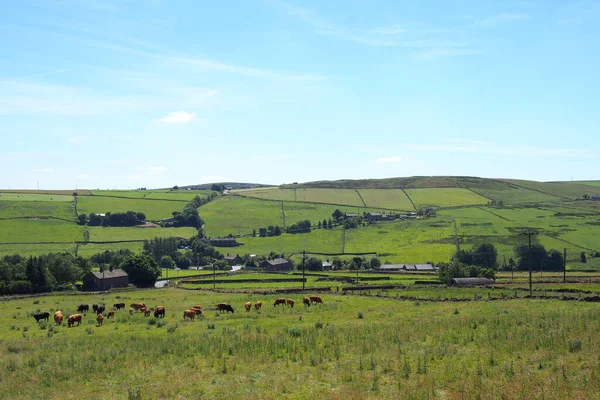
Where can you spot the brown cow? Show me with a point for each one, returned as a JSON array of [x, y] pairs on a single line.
[[278, 301], [257, 305], [316, 299], [137, 306], [111, 314], [197, 311], [160, 311], [290, 303], [189, 314], [100, 319], [306, 301], [248, 306], [198, 307], [74, 318], [58, 318]]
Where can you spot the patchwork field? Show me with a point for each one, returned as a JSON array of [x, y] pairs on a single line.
[[154, 209], [447, 197], [355, 347], [394, 199]]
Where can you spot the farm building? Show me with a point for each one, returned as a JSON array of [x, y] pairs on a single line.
[[408, 267], [233, 260], [105, 280], [471, 282], [223, 242], [278, 264], [373, 216], [351, 215], [327, 265]]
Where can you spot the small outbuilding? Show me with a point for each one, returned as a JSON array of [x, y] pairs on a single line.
[[471, 282], [278, 264], [105, 280]]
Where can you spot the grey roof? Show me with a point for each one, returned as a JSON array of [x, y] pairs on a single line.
[[409, 267], [278, 261], [232, 257], [424, 267], [108, 274], [472, 281]]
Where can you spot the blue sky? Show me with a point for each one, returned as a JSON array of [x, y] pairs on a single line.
[[125, 94]]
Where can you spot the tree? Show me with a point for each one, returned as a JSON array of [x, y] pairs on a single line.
[[86, 236], [538, 254], [167, 262], [375, 263], [582, 257], [217, 187], [142, 270], [81, 219], [337, 215], [485, 255], [222, 265], [262, 232], [314, 264], [141, 216], [324, 224]]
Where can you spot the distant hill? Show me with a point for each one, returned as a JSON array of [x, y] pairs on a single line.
[[230, 185], [413, 182]]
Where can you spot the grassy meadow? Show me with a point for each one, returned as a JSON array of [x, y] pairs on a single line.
[[351, 347]]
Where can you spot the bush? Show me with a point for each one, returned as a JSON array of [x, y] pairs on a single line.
[[89, 330], [172, 328], [295, 331], [160, 323], [43, 324], [360, 315], [318, 325], [211, 326], [152, 321], [575, 345]]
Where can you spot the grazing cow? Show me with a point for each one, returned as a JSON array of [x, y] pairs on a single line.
[[220, 306], [227, 308], [160, 311], [95, 308], [118, 306], [290, 303], [100, 319], [197, 311], [278, 301], [316, 299], [257, 305], [83, 308], [58, 318], [74, 318], [100, 309], [40, 316], [248, 306], [198, 307], [147, 312], [306, 301], [111, 314], [189, 314], [137, 306]]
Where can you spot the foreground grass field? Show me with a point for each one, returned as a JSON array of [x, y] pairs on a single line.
[[351, 347]]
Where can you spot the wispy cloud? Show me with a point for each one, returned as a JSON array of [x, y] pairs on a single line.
[[44, 170], [392, 159], [496, 149], [501, 19], [178, 117], [384, 36]]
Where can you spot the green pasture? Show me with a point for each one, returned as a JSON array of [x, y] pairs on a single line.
[[347, 197], [568, 190], [17, 197], [101, 234], [320, 240], [165, 194], [394, 199], [80, 192], [444, 197], [21, 209], [516, 195], [154, 209], [43, 230], [588, 183], [352, 347], [35, 249]]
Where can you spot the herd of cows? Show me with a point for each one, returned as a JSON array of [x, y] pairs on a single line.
[[160, 311]]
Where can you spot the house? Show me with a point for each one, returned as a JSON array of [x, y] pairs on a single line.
[[408, 267], [277, 264], [107, 279], [223, 242], [327, 265], [373, 217], [471, 282], [351, 215], [392, 267], [234, 260], [425, 268]]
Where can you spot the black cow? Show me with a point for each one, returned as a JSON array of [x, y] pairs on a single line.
[[226, 308], [100, 309], [39, 316], [95, 308], [118, 306], [83, 308]]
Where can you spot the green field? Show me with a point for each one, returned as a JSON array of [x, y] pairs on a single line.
[[355, 347], [386, 198], [174, 195], [566, 190], [28, 209], [347, 197], [588, 183], [449, 197], [154, 209]]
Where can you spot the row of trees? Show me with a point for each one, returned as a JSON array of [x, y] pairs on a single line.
[[189, 216], [48, 272], [129, 218]]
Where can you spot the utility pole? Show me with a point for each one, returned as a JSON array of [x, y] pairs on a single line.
[[214, 276], [530, 233], [565, 265], [303, 265]]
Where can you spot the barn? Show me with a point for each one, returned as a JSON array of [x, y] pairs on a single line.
[[471, 282], [278, 264], [108, 279]]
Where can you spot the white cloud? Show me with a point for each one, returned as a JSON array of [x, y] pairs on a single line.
[[156, 170], [178, 117], [76, 140], [392, 159], [502, 19], [44, 170]]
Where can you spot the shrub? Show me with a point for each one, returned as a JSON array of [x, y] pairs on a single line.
[[43, 324], [295, 331], [211, 326], [318, 325], [360, 315], [36, 302], [25, 328], [456, 311], [575, 345], [172, 328], [160, 323], [152, 321], [89, 330]]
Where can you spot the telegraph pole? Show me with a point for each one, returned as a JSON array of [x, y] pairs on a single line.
[[303, 266], [565, 266], [530, 233], [214, 276]]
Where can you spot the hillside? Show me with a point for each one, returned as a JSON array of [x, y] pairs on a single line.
[[469, 211]]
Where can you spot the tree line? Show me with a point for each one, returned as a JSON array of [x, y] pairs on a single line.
[[129, 218]]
